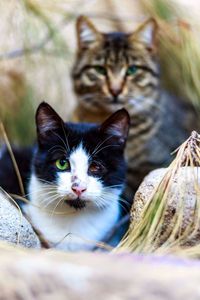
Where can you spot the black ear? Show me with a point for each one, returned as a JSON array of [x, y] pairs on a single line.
[[47, 120], [117, 126], [87, 34]]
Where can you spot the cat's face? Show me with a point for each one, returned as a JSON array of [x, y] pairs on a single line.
[[80, 164], [116, 70]]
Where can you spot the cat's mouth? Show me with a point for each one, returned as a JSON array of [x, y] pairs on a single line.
[[116, 100], [77, 203]]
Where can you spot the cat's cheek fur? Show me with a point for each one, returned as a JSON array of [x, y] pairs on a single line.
[[64, 186], [94, 189], [73, 229], [92, 193]]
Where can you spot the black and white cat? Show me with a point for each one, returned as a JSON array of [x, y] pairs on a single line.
[[77, 177]]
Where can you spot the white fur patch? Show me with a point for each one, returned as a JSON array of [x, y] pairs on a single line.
[[56, 220], [79, 163]]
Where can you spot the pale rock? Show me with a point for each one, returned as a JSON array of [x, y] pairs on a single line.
[[14, 228], [182, 190]]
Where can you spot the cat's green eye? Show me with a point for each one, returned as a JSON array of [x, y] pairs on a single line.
[[131, 70], [101, 70], [62, 164]]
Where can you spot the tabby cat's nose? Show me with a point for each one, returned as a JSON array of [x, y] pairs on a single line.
[[115, 91], [78, 189]]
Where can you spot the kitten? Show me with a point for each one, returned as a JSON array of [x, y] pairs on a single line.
[[117, 69], [77, 177]]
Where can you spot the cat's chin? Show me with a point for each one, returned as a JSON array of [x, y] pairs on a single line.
[[111, 105], [76, 203]]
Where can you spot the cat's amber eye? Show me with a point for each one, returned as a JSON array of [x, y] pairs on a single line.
[[94, 167], [62, 164], [131, 70], [101, 70]]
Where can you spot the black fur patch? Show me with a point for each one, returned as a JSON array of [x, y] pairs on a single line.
[[8, 178], [77, 204]]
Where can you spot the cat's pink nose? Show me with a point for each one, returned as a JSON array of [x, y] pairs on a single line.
[[78, 189], [115, 91]]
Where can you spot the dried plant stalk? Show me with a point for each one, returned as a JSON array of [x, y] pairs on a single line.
[[166, 224]]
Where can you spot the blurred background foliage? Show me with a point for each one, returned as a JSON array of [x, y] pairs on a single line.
[[38, 45]]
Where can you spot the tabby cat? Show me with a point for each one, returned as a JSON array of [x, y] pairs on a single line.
[[117, 69]]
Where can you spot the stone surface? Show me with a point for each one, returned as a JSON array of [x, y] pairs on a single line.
[[42, 275], [183, 190], [14, 228]]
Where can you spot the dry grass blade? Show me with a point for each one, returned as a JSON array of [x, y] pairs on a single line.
[[97, 245], [160, 230]]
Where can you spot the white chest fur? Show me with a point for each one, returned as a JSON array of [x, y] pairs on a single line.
[[67, 228]]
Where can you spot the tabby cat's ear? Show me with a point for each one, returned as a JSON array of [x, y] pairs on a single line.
[[47, 121], [88, 35], [146, 33], [117, 126]]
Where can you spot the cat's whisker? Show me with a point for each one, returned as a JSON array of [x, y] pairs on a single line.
[[113, 186], [107, 202], [44, 195], [66, 146], [105, 148], [51, 200], [45, 190], [45, 187], [109, 196], [66, 138], [57, 147], [49, 183], [41, 192], [47, 198], [123, 204], [63, 152], [100, 202], [99, 145], [61, 199]]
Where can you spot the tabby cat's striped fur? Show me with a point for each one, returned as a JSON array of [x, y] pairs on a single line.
[[116, 70]]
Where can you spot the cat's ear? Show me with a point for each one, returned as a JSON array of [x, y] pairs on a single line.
[[146, 33], [117, 126], [88, 35], [47, 121]]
